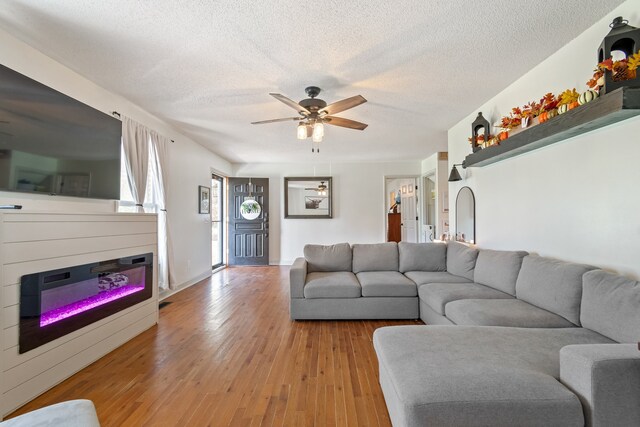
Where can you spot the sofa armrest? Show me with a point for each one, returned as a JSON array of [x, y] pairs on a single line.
[[606, 378], [297, 277]]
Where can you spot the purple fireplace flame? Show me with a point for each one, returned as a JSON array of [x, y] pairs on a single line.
[[57, 302], [81, 306]]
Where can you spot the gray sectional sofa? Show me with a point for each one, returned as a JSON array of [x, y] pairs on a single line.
[[512, 339]]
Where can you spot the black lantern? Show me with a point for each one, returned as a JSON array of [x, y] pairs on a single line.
[[623, 38], [479, 122]]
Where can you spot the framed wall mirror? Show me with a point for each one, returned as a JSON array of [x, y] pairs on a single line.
[[466, 216], [308, 197]]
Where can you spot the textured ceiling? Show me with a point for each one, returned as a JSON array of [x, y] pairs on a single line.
[[207, 66]]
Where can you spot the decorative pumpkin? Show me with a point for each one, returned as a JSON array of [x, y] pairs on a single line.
[[563, 108], [503, 135], [551, 114], [543, 117], [573, 105], [587, 96]]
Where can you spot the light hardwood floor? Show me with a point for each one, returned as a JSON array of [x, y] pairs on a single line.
[[226, 353]]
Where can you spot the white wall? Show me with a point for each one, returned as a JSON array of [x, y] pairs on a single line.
[[358, 204], [190, 163], [576, 200]]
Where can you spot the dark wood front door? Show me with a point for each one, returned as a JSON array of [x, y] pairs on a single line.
[[248, 237]]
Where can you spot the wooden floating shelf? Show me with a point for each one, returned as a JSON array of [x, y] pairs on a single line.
[[613, 107]]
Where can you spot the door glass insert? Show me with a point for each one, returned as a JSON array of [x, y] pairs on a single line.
[[217, 221]]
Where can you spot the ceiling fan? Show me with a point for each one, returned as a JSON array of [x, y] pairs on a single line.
[[320, 189], [314, 113]]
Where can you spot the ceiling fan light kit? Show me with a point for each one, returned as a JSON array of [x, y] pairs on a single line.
[[314, 113], [302, 131]]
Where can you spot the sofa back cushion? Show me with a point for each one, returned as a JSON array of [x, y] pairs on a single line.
[[611, 306], [553, 285], [461, 259], [375, 257], [422, 256], [498, 269], [336, 257]]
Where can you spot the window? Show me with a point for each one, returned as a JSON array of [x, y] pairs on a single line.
[[127, 204]]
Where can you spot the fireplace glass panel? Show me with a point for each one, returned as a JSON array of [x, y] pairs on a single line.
[[66, 301], [57, 302]]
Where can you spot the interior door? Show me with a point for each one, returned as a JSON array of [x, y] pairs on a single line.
[[249, 223], [409, 214]]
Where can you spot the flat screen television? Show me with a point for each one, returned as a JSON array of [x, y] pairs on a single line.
[[53, 144]]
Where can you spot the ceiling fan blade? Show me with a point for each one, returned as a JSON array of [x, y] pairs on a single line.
[[288, 119], [345, 104], [345, 123], [291, 103]]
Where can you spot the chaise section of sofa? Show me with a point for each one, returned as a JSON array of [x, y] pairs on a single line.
[[504, 376], [477, 376]]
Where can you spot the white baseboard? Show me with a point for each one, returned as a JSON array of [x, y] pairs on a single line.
[[167, 293], [281, 262]]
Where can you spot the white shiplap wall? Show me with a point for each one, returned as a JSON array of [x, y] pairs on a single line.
[[34, 242]]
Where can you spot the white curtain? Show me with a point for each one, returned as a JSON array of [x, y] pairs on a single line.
[[135, 140], [141, 146], [160, 146]]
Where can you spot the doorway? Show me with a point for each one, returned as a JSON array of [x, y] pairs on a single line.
[[217, 221], [248, 221], [429, 199], [401, 207]]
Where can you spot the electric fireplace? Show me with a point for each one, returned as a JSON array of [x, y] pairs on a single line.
[[57, 302]]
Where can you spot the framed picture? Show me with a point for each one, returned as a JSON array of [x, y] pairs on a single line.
[[204, 199], [308, 197], [319, 203]]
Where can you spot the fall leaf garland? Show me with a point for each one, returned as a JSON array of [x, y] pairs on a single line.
[[621, 70], [624, 69], [634, 61], [568, 96]]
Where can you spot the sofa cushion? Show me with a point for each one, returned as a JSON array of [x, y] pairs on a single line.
[[341, 284], [438, 295], [422, 256], [375, 257], [461, 259], [423, 277], [611, 306], [477, 375], [553, 285], [386, 284], [328, 258], [498, 269], [501, 312]]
